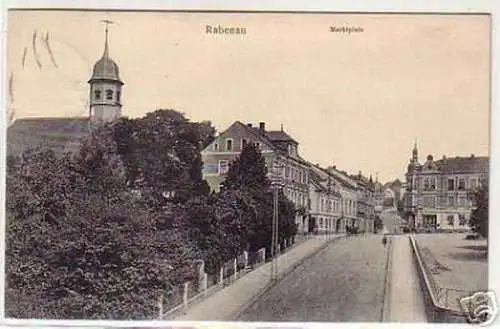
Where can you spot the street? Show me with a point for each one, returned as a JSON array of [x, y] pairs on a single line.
[[344, 282]]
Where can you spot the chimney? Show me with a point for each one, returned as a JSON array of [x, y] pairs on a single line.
[[249, 125], [262, 127], [472, 155]]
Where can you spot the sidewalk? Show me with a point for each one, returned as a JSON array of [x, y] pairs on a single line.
[[227, 303], [406, 303]]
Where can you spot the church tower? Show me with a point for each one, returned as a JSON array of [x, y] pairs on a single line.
[[105, 88]]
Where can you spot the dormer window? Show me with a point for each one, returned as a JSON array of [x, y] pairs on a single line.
[[109, 94], [97, 94]]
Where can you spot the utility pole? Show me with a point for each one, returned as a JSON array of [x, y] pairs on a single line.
[[276, 184]]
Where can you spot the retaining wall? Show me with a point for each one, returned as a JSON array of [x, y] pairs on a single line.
[[434, 311]]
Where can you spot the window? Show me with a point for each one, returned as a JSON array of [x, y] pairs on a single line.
[[450, 220], [257, 145], [216, 146], [223, 166], [97, 94], [461, 184], [451, 184], [472, 183], [229, 144], [462, 201], [451, 201], [244, 142], [118, 96], [109, 94], [461, 220]]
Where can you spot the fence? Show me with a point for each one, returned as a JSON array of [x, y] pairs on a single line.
[[206, 284], [441, 303]]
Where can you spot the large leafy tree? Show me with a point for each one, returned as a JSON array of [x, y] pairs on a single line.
[[479, 217], [81, 245], [248, 175], [161, 154]]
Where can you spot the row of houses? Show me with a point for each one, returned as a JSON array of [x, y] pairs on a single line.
[[326, 199]]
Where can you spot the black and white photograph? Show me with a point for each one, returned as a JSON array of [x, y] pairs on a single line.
[[247, 166]]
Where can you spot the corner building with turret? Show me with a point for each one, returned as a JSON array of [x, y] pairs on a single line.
[[439, 193]]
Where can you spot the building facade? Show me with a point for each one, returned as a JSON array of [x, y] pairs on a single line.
[[277, 148], [365, 202], [348, 189], [438, 193], [325, 202]]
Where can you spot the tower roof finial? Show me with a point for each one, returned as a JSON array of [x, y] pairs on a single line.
[[281, 126], [106, 47]]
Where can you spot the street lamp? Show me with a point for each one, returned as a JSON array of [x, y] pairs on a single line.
[[276, 184]]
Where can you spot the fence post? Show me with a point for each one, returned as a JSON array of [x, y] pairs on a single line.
[[221, 276], [160, 306], [205, 283], [263, 255], [285, 243], [245, 256], [185, 296], [235, 265]]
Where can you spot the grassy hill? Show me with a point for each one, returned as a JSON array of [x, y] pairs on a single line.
[[60, 134]]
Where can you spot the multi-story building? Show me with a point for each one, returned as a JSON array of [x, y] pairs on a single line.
[[325, 202], [278, 149], [438, 192], [348, 189], [365, 202]]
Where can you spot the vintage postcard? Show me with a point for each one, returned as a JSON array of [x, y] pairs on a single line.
[[247, 167]]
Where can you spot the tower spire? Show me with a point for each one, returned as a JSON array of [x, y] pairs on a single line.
[[415, 152], [106, 47]]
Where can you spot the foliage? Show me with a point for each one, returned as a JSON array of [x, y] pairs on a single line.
[[248, 175], [103, 233], [161, 153], [80, 244], [479, 217]]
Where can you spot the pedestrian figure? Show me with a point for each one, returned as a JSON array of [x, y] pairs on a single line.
[[384, 240]]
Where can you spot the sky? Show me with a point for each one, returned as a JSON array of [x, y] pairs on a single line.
[[356, 100]]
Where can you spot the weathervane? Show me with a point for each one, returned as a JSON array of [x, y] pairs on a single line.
[[107, 22]]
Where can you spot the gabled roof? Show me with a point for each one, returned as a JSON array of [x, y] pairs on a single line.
[[342, 177], [60, 134], [279, 136], [322, 176], [268, 138], [256, 134], [470, 164]]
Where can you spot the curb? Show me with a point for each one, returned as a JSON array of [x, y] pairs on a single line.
[[385, 316], [178, 311], [268, 287]]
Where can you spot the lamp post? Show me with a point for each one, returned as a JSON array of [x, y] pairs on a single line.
[[276, 184]]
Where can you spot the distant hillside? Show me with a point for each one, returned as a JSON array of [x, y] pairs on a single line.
[[60, 134]]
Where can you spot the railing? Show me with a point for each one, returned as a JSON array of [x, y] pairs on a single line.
[[178, 300], [437, 300]]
